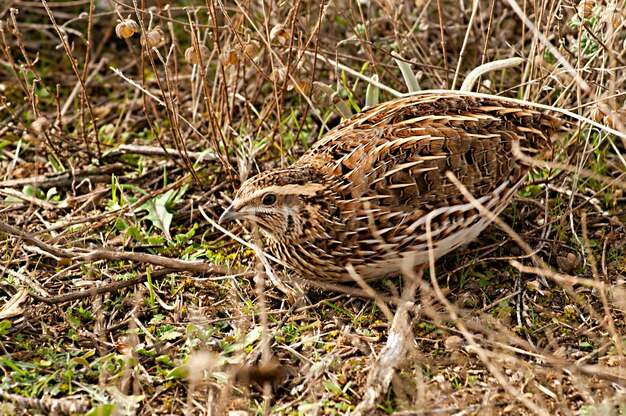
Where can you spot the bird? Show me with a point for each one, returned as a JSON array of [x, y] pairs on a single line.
[[368, 196]]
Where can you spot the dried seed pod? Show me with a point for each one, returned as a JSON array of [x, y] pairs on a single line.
[[229, 58], [568, 263], [322, 93], [126, 28], [278, 75], [616, 119], [41, 125], [453, 342], [302, 87], [252, 48], [196, 57], [597, 114], [279, 33], [613, 16], [154, 38], [585, 9]]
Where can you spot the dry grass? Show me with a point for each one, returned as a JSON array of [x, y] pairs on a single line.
[[119, 297]]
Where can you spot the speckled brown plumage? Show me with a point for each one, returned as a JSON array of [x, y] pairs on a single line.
[[363, 194]]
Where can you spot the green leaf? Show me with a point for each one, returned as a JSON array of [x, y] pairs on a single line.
[[4, 327], [332, 387], [407, 73], [250, 338], [170, 335], [178, 373], [34, 192], [163, 359], [103, 410], [51, 192], [372, 94], [159, 209], [80, 361]]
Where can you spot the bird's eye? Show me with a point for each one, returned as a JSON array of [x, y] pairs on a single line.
[[269, 199]]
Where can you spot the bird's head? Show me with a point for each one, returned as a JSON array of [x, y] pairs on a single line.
[[287, 204]]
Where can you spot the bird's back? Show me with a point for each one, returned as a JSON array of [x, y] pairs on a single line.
[[402, 149]]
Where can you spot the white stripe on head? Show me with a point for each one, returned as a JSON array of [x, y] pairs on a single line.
[[309, 189]]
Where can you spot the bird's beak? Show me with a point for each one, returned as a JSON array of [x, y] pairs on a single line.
[[229, 215]]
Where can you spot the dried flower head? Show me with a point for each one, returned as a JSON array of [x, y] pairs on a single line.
[[568, 263], [126, 28], [196, 57], [279, 33], [597, 114], [302, 87], [229, 57], [616, 119], [41, 125], [613, 16], [278, 75], [252, 48], [154, 38], [585, 9]]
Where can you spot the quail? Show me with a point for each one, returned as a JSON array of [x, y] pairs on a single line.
[[371, 189]]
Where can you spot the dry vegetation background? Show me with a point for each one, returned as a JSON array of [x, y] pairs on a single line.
[[118, 295]]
